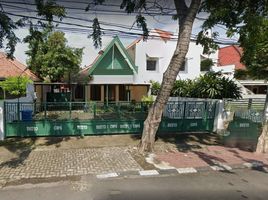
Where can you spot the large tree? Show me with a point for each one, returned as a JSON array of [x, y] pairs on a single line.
[[46, 10], [247, 19], [239, 17], [55, 60]]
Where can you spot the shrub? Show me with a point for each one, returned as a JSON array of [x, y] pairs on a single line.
[[210, 85], [155, 87], [15, 85]]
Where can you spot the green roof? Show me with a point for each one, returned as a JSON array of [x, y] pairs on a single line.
[[115, 60]]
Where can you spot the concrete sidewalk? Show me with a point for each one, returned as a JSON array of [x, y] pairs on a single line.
[[66, 157], [208, 156]]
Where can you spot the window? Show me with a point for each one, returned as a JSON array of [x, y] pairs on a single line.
[[205, 63], [151, 64], [95, 92], [183, 67]]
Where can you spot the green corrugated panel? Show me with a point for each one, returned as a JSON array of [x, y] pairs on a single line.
[[242, 130]]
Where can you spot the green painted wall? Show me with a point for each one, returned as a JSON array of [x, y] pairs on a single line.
[[93, 127], [242, 130]]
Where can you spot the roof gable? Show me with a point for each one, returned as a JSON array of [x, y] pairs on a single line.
[[10, 68], [114, 61], [231, 55]]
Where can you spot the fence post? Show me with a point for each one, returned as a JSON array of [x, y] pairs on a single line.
[[206, 116], [183, 117], [45, 105], [94, 110], [18, 111], [70, 110], [249, 103]]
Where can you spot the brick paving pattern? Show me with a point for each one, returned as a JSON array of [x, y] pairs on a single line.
[[68, 162], [210, 155]]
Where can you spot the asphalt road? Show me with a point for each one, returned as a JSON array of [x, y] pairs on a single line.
[[242, 184]]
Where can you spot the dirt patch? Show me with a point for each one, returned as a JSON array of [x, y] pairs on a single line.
[[141, 160]]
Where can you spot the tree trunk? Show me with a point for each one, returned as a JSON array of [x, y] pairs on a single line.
[[262, 145], [186, 16]]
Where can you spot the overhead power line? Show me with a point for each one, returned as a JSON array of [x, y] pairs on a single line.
[[107, 31], [160, 12]]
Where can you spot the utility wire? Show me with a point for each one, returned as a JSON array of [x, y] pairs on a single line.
[[220, 41]]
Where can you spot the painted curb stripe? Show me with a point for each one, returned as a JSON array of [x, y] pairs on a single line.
[[253, 164], [186, 170], [109, 175], [148, 172], [221, 167]]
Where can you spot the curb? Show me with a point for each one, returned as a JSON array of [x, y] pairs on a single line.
[[218, 167], [222, 167]]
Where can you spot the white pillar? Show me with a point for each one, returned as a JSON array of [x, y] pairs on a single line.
[[220, 115]]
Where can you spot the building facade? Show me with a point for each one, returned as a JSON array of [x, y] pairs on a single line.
[[125, 74]]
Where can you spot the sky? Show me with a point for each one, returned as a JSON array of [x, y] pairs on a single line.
[[112, 18]]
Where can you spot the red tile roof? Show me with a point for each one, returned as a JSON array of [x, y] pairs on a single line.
[[10, 67], [164, 35], [231, 55]]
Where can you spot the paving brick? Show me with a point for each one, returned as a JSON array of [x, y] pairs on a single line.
[[70, 162]]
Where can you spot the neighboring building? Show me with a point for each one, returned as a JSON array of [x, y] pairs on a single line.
[[9, 68], [229, 61], [153, 56]]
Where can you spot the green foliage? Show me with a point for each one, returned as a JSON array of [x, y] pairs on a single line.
[[213, 85], [141, 23], [7, 28], [256, 50], [38, 36], [129, 6], [249, 20], [49, 9], [55, 60], [206, 64], [147, 99], [46, 9], [207, 41], [96, 34], [15, 85], [210, 85], [241, 74], [183, 88], [35, 41], [155, 87]]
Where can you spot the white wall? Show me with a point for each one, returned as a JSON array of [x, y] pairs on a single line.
[[226, 70], [164, 51]]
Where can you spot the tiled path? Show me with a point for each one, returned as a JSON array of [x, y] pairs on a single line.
[[210, 155], [47, 163], [68, 162]]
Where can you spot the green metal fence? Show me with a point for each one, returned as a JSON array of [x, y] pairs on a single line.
[[245, 126], [87, 118]]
